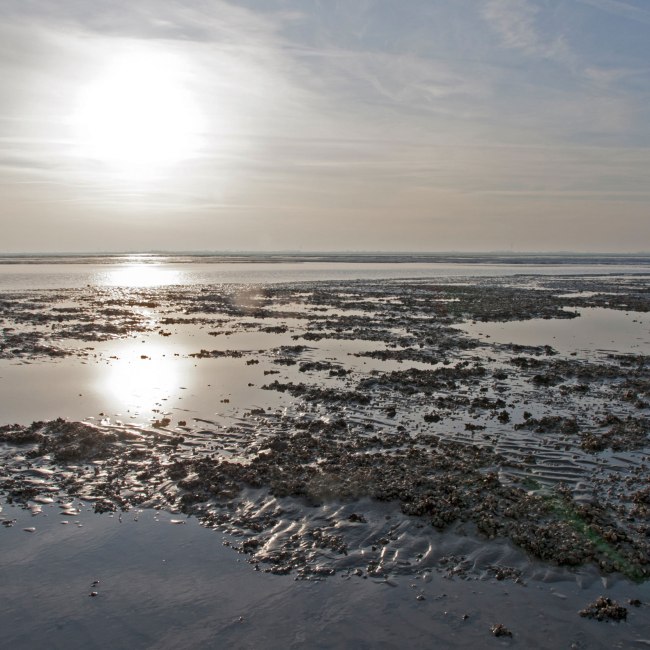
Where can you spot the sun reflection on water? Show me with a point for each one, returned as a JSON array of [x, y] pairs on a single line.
[[143, 380], [141, 275]]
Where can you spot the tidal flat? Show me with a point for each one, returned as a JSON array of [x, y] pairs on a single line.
[[455, 461]]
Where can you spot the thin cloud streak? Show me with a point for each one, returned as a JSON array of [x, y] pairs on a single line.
[[621, 9], [515, 23]]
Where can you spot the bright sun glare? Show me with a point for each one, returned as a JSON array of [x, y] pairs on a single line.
[[140, 275], [140, 382], [139, 113]]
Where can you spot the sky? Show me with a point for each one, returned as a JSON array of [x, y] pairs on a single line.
[[325, 125]]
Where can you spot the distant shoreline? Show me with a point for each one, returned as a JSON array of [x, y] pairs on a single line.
[[328, 257]]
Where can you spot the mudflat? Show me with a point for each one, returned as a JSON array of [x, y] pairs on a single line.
[[471, 453]]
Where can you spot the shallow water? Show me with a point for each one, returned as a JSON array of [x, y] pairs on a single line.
[[176, 586], [596, 329], [126, 274], [148, 375]]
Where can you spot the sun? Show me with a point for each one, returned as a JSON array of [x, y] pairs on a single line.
[[139, 113]]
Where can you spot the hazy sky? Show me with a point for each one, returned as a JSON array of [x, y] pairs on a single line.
[[421, 125]]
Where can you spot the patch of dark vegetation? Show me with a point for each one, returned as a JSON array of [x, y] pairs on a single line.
[[604, 609], [563, 368], [442, 483], [274, 329], [285, 361], [415, 380], [65, 441], [316, 394], [76, 441], [630, 433], [535, 350], [16, 434], [500, 630], [320, 366], [500, 303], [550, 424], [27, 344], [218, 354], [483, 402], [102, 331], [423, 355]]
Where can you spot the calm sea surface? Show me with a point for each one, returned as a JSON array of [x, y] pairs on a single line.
[[152, 271]]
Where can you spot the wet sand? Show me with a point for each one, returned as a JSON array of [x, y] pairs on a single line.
[[338, 434]]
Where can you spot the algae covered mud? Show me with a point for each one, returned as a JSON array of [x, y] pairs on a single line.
[[465, 435]]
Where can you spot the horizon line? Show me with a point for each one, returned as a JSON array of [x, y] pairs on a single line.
[[231, 252]]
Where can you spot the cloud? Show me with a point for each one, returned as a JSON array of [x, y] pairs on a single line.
[[621, 9], [198, 21], [515, 22], [328, 117]]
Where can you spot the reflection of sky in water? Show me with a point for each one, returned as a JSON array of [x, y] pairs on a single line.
[[596, 329]]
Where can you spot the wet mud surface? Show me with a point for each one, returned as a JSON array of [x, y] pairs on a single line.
[[138, 579], [364, 434]]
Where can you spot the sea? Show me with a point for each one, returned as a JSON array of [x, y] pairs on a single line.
[[24, 272]]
